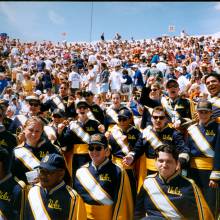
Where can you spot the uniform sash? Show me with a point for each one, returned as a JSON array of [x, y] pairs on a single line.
[[91, 115], [160, 200], [27, 158], [93, 187], [174, 115], [200, 141], [57, 100], [36, 203], [80, 132], [2, 217], [22, 119], [113, 114], [50, 132], [215, 101], [117, 135], [150, 136]]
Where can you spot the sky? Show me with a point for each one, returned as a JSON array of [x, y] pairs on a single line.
[[85, 21]]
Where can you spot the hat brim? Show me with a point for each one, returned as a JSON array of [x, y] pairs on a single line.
[[96, 142], [204, 109], [49, 167]]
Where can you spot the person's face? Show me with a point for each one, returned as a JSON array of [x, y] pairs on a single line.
[[49, 179], [173, 90], [124, 123], [97, 153], [213, 85], [159, 120], [81, 111], [33, 133], [57, 119], [155, 92], [204, 116], [89, 98], [63, 90], [166, 165], [34, 107], [116, 100]]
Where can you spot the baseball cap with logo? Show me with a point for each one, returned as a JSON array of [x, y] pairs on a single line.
[[98, 139], [124, 113], [204, 105], [52, 162]]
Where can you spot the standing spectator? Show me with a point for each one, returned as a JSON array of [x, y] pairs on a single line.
[[115, 79], [74, 78], [104, 81], [3, 82], [138, 78]]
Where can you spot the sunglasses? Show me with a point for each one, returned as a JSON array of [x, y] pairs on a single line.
[[47, 172], [33, 104], [159, 117], [122, 119], [154, 90], [97, 148]]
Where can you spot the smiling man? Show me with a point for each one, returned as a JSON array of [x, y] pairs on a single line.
[[212, 82], [52, 198], [167, 194], [106, 191]]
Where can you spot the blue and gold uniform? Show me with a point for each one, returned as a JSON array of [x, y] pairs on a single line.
[[61, 202], [151, 139], [121, 143], [76, 139], [106, 191], [204, 144], [97, 113], [176, 198], [12, 198], [26, 158]]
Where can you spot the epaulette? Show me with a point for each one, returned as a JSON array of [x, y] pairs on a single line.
[[20, 182], [71, 191]]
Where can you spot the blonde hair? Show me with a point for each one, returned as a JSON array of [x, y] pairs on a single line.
[[34, 119]]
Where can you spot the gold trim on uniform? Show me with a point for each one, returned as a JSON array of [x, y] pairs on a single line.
[[202, 163]]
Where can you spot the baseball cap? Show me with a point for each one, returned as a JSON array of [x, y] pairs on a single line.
[[82, 104], [124, 113], [179, 69], [32, 98], [98, 139], [52, 162], [59, 112], [204, 105], [171, 81]]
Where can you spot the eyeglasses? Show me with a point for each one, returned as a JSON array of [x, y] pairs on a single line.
[[97, 148], [63, 88], [158, 117], [33, 104], [122, 119], [154, 90]]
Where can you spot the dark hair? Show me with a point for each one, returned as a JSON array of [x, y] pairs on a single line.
[[159, 109], [170, 149], [216, 75]]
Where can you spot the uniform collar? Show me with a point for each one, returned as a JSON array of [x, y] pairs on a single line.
[[170, 178], [57, 187], [8, 176], [101, 165]]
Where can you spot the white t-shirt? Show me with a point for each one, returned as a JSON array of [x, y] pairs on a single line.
[[91, 77], [115, 79], [75, 79]]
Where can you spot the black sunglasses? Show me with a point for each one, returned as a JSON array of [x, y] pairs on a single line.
[[33, 104], [97, 148], [153, 90], [159, 117], [122, 119]]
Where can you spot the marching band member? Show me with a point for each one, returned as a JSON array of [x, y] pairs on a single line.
[[212, 82], [122, 139], [106, 191], [95, 113], [76, 137], [34, 147], [204, 144], [52, 198], [112, 111], [159, 133], [12, 190], [167, 194]]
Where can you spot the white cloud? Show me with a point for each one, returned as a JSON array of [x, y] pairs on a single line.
[[217, 6], [55, 18]]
